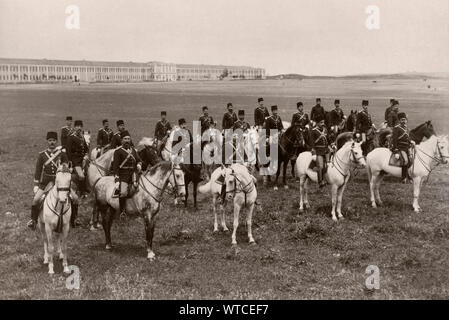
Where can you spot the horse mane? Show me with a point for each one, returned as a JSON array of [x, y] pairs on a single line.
[[164, 166], [146, 142]]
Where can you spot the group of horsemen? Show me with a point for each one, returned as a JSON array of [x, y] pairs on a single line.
[[126, 161]]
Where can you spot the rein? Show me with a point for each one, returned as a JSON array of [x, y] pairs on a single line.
[[164, 186], [336, 162], [437, 160]]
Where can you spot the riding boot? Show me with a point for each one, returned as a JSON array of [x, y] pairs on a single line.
[[323, 181], [122, 204], [74, 217], [404, 174], [34, 216], [223, 193]]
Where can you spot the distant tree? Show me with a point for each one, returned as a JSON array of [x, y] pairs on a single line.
[[224, 74]]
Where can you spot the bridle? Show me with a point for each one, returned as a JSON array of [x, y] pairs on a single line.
[[53, 209], [337, 162], [439, 160], [162, 189], [243, 188]]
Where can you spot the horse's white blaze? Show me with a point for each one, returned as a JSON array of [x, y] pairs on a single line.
[[428, 154], [337, 175]]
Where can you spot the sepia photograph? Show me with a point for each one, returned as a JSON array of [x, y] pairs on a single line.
[[223, 150]]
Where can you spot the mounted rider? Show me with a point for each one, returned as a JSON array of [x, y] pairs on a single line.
[[77, 152], [401, 144], [336, 118], [125, 166], [393, 115], [389, 109], [206, 122], [47, 165], [117, 138], [300, 119], [260, 114], [104, 138], [320, 147], [274, 121], [317, 112], [162, 130], [241, 123], [229, 118], [364, 122], [66, 131]]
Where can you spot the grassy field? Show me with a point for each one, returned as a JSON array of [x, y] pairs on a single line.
[[304, 256]]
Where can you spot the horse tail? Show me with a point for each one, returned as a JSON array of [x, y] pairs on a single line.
[[205, 188]]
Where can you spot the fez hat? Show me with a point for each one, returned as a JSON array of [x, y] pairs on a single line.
[[181, 121], [395, 102], [402, 115], [337, 101], [78, 123], [318, 99], [260, 99], [205, 107], [52, 135], [124, 133], [163, 113], [119, 122], [69, 118], [275, 107], [105, 120], [229, 104], [365, 102], [241, 112], [298, 104], [392, 100]]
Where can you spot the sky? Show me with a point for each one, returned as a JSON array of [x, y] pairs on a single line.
[[312, 37]]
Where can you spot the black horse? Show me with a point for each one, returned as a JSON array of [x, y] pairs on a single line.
[[150, 156], [287, 150], [192, 173]]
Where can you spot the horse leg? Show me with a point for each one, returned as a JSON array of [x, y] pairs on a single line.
[[372, 185], [195, 191], [278, 172], [44, 236], [187, 192], [236, 223], [292, 163], [150, 222], [249, 222], [301, 193], [50, 248], [334, 191], [416, 189], [376, 189], [284, 173], [341, 190], [214, 208], [306, 192], [223, 218], [107, 216], [65, 233]]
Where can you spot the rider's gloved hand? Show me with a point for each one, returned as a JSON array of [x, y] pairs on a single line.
[[35, 189], [412, 142], [139, 167]]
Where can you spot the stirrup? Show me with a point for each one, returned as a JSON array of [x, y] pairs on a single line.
[[32, 224]]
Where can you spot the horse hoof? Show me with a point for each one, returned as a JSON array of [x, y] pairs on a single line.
[[226, 230], [307, 206], [151, 256], [335, 219], [374, 205], [275, 188], [66, 270], [252, 243], [51, 272], [286, 187], [108, 247], [61, 256], [301, 210], [340, 217]]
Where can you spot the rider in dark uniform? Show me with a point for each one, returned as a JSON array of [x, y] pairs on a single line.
[[260, 114], [104, 138], [300, 119], [162, 131], [241, 123], [336, 118], [125, 165], [320, 147], [401, 144], [117, 137], [66, 131], [77, 152], [47, 165], [317, 112], [393, 120], [229, 118], [206, 122], [389, 109], [274, 121], [364, 122]]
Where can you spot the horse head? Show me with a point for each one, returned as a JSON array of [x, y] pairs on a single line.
[[62, 182], [357, 154], [230, 181], [424, 130], [443, 149], [176, 179]]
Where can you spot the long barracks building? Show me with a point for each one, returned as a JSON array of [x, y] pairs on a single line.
[[42, 71]]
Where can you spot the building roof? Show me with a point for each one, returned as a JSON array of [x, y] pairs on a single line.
[[83, 63], [210, 66]]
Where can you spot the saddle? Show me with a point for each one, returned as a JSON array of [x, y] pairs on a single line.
[[400, 161], [313, 166]]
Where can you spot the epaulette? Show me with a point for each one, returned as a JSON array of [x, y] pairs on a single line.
[[73, 134], [117, 133]]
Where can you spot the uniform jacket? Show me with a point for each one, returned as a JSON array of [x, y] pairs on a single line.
[[228, 120], [387, 112], [206, 122], [301, 117], [162, 127], [401, 138], [319, 140], [393, 119], [66, 131], [260, 114], [76, 149], [273, 122], [243, 125], [46, 167], [116, 140], [104, 137], [336, 116], [125, 163], [364, 122], [317, 112]]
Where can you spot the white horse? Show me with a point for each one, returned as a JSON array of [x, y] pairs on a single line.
[[338, 173], [212, 149], [429, 154], [166, 152], [240, 187], [55, 219]]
